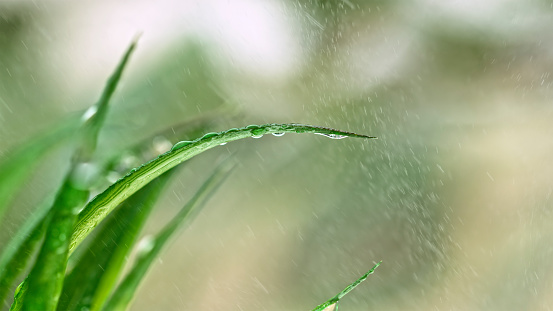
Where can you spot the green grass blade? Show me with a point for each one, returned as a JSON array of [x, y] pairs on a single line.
[[334, 300], [46, 277], [124, 293], [44, 283], [16, 254], [93, 277], [96, 115], [105, 202]]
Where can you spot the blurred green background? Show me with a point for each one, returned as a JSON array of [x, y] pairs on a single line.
[[454, 196]]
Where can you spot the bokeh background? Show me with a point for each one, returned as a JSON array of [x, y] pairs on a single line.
[[454, 196]]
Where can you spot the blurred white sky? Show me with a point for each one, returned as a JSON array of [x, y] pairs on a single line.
[[256, 36]]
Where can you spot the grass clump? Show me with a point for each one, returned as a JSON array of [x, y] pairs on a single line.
[[61, 225]]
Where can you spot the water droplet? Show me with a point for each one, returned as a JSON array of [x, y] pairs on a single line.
[[209, 135], [84, 175], [332, 136], [127, 161], [113, 176], [160, 144], [252, 127], [181, 144], [258, 132], [89, 113], [222, 144], [146, 244], [278, 134]]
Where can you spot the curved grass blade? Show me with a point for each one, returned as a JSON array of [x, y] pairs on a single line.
[[124, 293], [44, 282], [334, 300], [93, 277], [99, 207]]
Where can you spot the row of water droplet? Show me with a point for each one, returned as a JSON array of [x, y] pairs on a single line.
[[256, 132]]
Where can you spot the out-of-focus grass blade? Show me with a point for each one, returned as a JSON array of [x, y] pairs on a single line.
[[93, 277], [334, 300], [124, 293], [20, 163], [97, 209], [118, 160], [44, 282], [16, 254]]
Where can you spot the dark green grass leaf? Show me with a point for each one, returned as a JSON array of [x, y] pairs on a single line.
[[46, 277], [99, 207], [16, 254], [93, 277], [334, 300], [124, 293], [44, 282]]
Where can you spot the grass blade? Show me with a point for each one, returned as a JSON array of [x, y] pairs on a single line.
[[45, 280], [46, 277], [334, 300], [92, 279], [97, 209], [124, 293], [15, 256], [99, 111]]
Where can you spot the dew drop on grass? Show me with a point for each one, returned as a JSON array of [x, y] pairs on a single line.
[[146, 244], [181, 144], [84, 175], [222, 144], [160, 144], [278, 134], [209, 135], [256, 131], [332, 136], [89, 113], [127, 161], [113, 176]]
